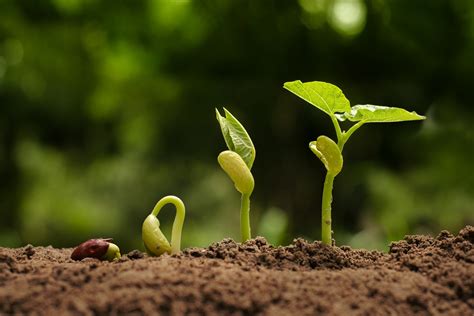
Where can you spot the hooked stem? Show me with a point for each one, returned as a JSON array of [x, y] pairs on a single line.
[[178, 220]]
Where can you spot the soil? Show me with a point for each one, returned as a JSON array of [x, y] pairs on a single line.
[[420, 275]]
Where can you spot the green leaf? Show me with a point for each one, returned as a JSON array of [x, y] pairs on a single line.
[[323, 95], [329, 154], [378, 114], [236, 137]]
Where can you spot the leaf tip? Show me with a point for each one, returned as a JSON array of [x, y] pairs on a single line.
[[288, 83], [228, 114], [420, 117]]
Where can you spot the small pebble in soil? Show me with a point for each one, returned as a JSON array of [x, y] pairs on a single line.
[[135, 254], [29, 251]]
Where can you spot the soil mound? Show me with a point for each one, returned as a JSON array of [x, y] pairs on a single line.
[[420, 275], [300, 255]]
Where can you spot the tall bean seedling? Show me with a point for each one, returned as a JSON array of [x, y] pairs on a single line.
[[330, 99], [237, 162]]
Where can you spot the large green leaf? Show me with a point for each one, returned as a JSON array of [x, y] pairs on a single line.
[[378, 114], [323, 95], [236, 137]]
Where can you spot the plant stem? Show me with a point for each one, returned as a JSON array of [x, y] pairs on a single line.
[[326, 221], [178, 220], [245, 217], [337, 127], [345, 135], [326, 230]]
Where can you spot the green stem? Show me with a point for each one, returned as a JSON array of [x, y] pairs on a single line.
[[326, 221], [178, 220], [339, 132], [245, 217], [326, 230], [345, 135]]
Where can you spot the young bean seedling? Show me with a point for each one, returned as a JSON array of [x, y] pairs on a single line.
[[237, 163], [155, 242], [330, 99]]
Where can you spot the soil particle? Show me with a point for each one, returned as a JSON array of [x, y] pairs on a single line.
[[135, 254], [420, 275]]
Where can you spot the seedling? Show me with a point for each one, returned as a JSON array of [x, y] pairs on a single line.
[[237, 163], [155, 242], [102, 249], [330, 99]]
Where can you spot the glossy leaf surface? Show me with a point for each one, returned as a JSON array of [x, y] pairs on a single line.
[[369, 113]]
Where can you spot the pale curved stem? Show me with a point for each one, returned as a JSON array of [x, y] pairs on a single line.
[[178, 220]]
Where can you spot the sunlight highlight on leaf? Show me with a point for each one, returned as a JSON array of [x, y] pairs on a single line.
[[379, 114]]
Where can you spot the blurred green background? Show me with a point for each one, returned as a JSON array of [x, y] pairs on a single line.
[[106, 106]]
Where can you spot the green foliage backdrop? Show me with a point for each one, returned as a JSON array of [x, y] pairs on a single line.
[[106, 106]]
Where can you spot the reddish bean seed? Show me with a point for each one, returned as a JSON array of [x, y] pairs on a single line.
[[93, 248]]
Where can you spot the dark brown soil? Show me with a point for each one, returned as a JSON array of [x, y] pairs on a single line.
[[420, 275]]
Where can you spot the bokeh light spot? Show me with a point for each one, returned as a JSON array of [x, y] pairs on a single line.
[[348, 17], [314, 12]]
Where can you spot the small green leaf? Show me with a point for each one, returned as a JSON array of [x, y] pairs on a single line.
[[378, 114], [329, 154], [323, 95], [236, 137]]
